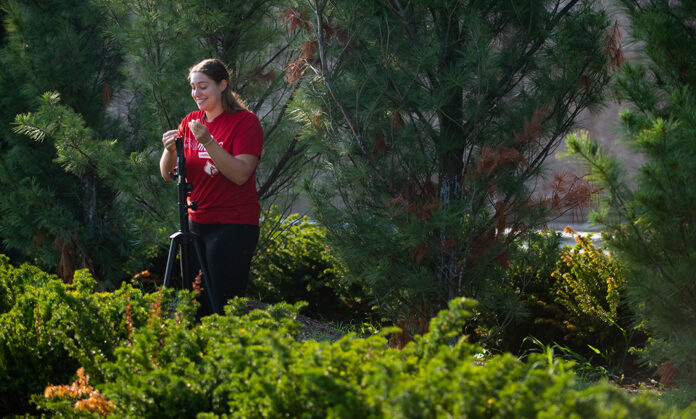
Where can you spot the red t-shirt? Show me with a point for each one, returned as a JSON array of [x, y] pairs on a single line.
[[219, 200]]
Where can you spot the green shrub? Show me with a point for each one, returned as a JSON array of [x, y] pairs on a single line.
[[253, 366], [30, 356], [591, 287], [647, 213], [48, 329], [293, 263], [570, 299], [531, 309]]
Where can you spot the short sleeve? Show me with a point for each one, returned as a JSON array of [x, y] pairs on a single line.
[[250, 137]]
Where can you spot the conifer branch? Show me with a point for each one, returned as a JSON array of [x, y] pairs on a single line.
[[282, 166], [318, 9]]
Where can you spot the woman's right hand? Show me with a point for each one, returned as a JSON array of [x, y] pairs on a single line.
[[169, 140]]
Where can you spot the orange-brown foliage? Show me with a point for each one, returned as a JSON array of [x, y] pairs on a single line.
[[95, 403], [419, 202], [342, 36], [668, 373], [80, 388], [308, 49], [612, 47], [66, 266], [197, 283], [532, 129], [146, 276], [296, 20], [106, 95], [570, 193], [397, 121], [419, 252], [260, 75], [490, 161], [380, 144], [327, 30], [417, 322], [294, 70]]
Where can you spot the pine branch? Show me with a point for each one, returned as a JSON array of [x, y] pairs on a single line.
[[31, 131], [318, 8], [282, 166]]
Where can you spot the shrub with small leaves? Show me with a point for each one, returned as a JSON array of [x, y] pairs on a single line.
[[48, 328], [591, 287], [529, 309], [294, 263], [253, 365]]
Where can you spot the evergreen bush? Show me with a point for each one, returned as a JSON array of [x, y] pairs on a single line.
[[48, 328], [590, 284], [591, 289], [434, 119], [529, 284], [252, 365], [143, 356], [568, 298], [648, 214], [294, 263]]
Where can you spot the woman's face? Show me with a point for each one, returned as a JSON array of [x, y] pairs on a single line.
[[206, 92]]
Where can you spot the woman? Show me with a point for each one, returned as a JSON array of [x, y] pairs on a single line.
[[222, 147]]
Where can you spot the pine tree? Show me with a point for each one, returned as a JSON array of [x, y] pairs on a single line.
[[435, 118], [649, 217], [109, 209], [162, 39], [48, 215]]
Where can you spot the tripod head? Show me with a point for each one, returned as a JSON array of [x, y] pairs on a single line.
[[184, 187]]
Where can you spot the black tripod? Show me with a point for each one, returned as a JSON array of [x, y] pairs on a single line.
[[182, 239]]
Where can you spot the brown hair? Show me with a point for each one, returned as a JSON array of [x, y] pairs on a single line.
[[217, 71]]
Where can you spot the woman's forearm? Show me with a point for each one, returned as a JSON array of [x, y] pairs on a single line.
[[167, 163], [238, 169]]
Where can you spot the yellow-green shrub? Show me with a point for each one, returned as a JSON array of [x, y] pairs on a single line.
[[253, 366], [48, 328]]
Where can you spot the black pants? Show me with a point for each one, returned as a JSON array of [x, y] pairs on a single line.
[[227, 249]]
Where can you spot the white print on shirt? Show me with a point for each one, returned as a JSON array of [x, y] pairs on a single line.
[[210, 169], [202, 152]]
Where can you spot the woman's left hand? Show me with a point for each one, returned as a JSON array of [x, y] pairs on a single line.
[[200, 131]]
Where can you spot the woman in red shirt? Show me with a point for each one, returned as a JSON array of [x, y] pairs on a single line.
[[222, 146]]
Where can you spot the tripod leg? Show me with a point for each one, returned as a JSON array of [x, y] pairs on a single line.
[[206, 277], [187, 271], [170, 259]]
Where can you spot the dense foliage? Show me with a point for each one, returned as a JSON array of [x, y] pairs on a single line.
[[51, 217], [120, 69], [435, 119], [293, 263], [569, 298], [649, 217], [253, 366], [591, 290], [144, 355], [48, 329]]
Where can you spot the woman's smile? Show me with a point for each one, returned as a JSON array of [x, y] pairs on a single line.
[[206, 93]]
